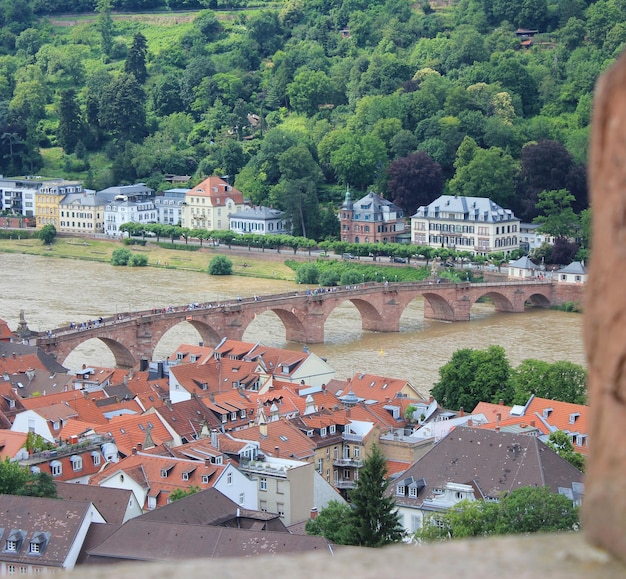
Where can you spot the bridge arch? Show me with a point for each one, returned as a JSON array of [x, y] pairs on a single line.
[[538, 300], [437, 307], [501, 302], [121, 354]]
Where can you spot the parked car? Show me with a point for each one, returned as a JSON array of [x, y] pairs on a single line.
[[348, 256], [399, 260]]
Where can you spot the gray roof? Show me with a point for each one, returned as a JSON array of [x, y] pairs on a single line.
[[524, 262], [208, 507], [137, 189], [494, 462], [143, 540], [374, 208], [112, 503], [479, 209], [58, 520], [84, 199], [576, 267], [258, 213]]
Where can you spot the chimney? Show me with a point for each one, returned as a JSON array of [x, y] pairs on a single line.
[[461, 411], [532, 423], [134, 450], [501, 402], [125, 379], [263, 429], [139, 446], [277, 452], [207, 462], [314, 513]]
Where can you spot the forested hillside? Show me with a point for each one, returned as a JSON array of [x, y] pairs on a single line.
[[297, 100]]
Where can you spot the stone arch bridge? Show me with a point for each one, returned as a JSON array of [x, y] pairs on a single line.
[[135, 335]]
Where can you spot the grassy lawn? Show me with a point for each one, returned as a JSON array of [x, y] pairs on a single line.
[[252, 265]]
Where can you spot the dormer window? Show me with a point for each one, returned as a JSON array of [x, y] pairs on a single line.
[[163, 473], [56, 468], [573, 417], [547, 412], [14, 541], [180, 355], [38, 543], [233, 416], [323, 431], [224, 418], [400, 490], [77, 462], [56, 425], [332, 428], [205, 479]]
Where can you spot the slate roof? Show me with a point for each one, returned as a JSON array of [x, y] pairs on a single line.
[[111, 503], [211, 507], [473, 209], [576, 268], [61, 519], [258, 213], [524, 262], [373, 208], [493, 462], [157, 541]]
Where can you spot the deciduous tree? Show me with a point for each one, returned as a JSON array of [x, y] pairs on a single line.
[[474, 376]]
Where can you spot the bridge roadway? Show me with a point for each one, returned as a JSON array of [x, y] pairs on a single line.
[[134, 335]]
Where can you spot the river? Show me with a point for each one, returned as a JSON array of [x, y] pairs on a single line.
[[53, 292]]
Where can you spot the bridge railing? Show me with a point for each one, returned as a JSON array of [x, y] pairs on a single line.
[[95, 325]]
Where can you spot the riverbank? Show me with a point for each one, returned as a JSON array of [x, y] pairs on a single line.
[[253, 263]]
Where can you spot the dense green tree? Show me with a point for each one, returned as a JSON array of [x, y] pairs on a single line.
[[71, 126], [564, 381], [307, 273], [525, 510], [561, 443], [308, 91], [333, 523], [490, 173], [122, 109], [13, 477], [556, 216], [39, 484], [47, 233], [474, 376], [374, 519], [220, 265], [136, 59], [105, 26]]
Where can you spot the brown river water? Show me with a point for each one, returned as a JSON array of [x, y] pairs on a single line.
[[54, 292]]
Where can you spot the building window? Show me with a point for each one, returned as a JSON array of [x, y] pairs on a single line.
[[77, 463], [96, 458], [280, 507], [320, 465], [56, 468], [323, 431], [11, 546], [229, 478], [400, 490], [413, 492], [185, 476], [332, 428], [205, 479], [233, 416], [263, 484]]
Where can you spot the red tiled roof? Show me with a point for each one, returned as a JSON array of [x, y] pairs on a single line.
[[162, 475], [129, 431], [216, 189], [281, 434]]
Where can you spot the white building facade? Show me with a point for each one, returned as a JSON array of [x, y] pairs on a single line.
[[474, 224], [261, 221]]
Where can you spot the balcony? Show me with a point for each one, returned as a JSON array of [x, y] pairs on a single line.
[[348, 462], [351, 437], [82, 445], [344, 484]]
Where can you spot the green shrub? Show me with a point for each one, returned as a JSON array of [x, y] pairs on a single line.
[[220, 265], [329, 277], [307, 273], [121, 256], [351, 277], [138, 260], [133, 241]]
